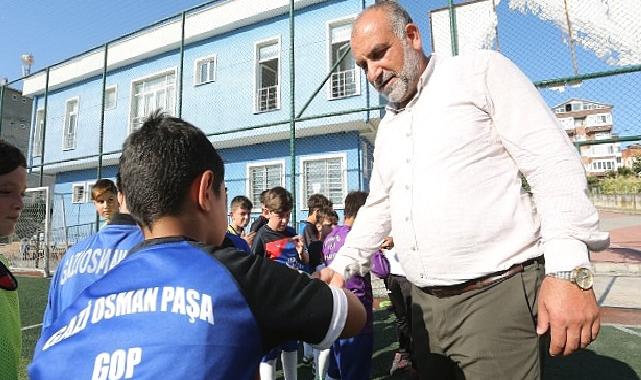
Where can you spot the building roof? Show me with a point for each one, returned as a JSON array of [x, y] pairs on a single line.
[[201, 22], [583, 101]]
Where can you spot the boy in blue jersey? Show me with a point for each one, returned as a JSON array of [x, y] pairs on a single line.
[[278, 242], [105, 199], [177, 307], [90, 259], [241, 209]]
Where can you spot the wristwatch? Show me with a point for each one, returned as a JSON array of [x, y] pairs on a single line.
[[581, 277]]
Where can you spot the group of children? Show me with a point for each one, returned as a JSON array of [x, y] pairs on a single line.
[[318, 241], [175, 279], [169, 288]]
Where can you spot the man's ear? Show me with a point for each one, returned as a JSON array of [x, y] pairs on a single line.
[[414, 36]]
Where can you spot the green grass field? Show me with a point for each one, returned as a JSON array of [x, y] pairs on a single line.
[[615, 355]]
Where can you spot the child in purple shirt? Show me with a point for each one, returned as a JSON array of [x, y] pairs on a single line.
[[351, 359]]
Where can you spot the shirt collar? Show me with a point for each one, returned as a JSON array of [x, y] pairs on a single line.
[[122, 218], [422, 82]]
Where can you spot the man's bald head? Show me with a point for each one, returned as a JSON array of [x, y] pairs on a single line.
[[395, 14]]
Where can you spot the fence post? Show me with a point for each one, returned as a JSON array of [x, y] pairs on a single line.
[[292, 110], [44, 128]]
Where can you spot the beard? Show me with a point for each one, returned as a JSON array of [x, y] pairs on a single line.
[[404, 86]]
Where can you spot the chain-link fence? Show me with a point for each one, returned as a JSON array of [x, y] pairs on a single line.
[[278, 92]]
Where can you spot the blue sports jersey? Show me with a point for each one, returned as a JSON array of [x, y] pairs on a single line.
[[238, 242], [89, 260], [174, 309]]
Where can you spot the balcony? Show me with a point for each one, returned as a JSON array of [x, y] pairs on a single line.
[[343, 83], [267, 99]]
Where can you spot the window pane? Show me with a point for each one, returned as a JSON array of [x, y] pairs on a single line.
[[268, 51], [341, 32]]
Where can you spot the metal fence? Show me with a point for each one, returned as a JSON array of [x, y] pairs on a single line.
[[284, 103]]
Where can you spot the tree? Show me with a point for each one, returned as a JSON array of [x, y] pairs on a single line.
[[636, 165]]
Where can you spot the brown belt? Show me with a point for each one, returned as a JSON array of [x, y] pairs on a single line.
[[482, 282]]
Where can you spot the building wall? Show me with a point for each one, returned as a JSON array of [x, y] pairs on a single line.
[[227, 103], [16, 118]]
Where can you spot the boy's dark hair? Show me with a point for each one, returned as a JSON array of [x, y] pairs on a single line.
[[160, 161], [118, 182], [354, 201], [12, 157], [262, 196], [278, 199], [328, 213], [317, 202], [102, 186], [241, 201]]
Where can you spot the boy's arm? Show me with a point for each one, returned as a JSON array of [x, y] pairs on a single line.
[[258, 247], [286, 303]]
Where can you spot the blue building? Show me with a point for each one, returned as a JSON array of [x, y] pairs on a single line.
[[235, 86]]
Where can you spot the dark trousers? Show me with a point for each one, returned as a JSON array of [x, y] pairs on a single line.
[[400, 294], [488, 333]]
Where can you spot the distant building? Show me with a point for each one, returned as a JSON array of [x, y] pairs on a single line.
[[629, 154], [586, 120], [16, 118]]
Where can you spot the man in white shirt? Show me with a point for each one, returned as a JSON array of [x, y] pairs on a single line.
[[449, 152]]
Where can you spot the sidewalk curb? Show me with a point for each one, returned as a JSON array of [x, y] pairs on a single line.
[[618, 269]]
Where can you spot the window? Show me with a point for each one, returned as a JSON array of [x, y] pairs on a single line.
[[568, 107], [110, 98], [150, 94], [88, 188], [267, 75], [37, 138], [71, 124], [261, 177], [15, 97], [324, 175], [344, 77], [78, 194], [24, 100], [205, 70], [567, 122]]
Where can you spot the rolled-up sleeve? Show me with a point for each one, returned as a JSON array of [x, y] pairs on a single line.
[[543, 153]]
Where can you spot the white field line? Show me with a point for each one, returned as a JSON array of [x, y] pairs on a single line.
[[31, 327]]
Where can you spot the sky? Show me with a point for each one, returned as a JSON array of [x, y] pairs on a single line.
[[54, 30]]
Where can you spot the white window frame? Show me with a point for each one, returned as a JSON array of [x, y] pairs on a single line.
[[88, 188], [66, 119], [357, 72], [211, 59], [256, 164], [166, 71], [115, 90], [79, 185], [303, 180], [257, 46], [37, 133]]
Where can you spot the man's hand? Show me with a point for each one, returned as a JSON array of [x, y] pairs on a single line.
[[570, 313], [331, 277]]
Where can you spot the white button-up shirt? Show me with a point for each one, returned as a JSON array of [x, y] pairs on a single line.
[[446, 179]]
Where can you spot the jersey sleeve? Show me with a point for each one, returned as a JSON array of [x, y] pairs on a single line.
[[286, 304]]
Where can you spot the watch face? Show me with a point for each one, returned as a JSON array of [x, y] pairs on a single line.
[[584, 278]]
